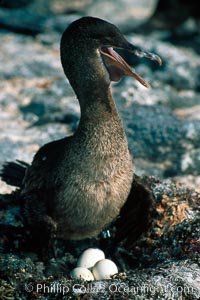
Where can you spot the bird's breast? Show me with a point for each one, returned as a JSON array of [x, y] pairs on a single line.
[[95, 193]]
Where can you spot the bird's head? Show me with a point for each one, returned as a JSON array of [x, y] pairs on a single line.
[[102, 36]]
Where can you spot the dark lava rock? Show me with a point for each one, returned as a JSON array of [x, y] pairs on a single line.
[[22, 21], [162, 264], [156, 129], [155, 134], [14, 4], [35, 107]]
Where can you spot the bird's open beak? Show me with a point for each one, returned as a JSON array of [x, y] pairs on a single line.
[[117, 67]]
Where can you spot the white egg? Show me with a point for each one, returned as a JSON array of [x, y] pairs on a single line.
[[82, 273], [104, 269], [90, 257]]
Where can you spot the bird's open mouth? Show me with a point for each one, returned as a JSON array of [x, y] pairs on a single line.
[[117, 67]]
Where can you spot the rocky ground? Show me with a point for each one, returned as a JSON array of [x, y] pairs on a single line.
[[163, 129]]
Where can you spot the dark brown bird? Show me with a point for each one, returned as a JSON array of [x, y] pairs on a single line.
[[77, 185]]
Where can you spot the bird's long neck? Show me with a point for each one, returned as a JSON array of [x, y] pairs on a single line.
[[102, 127], [99, 107], [90, 81], [100, 123], [100, 132]]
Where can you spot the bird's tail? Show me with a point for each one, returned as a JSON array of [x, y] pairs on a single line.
[[13, 172]]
